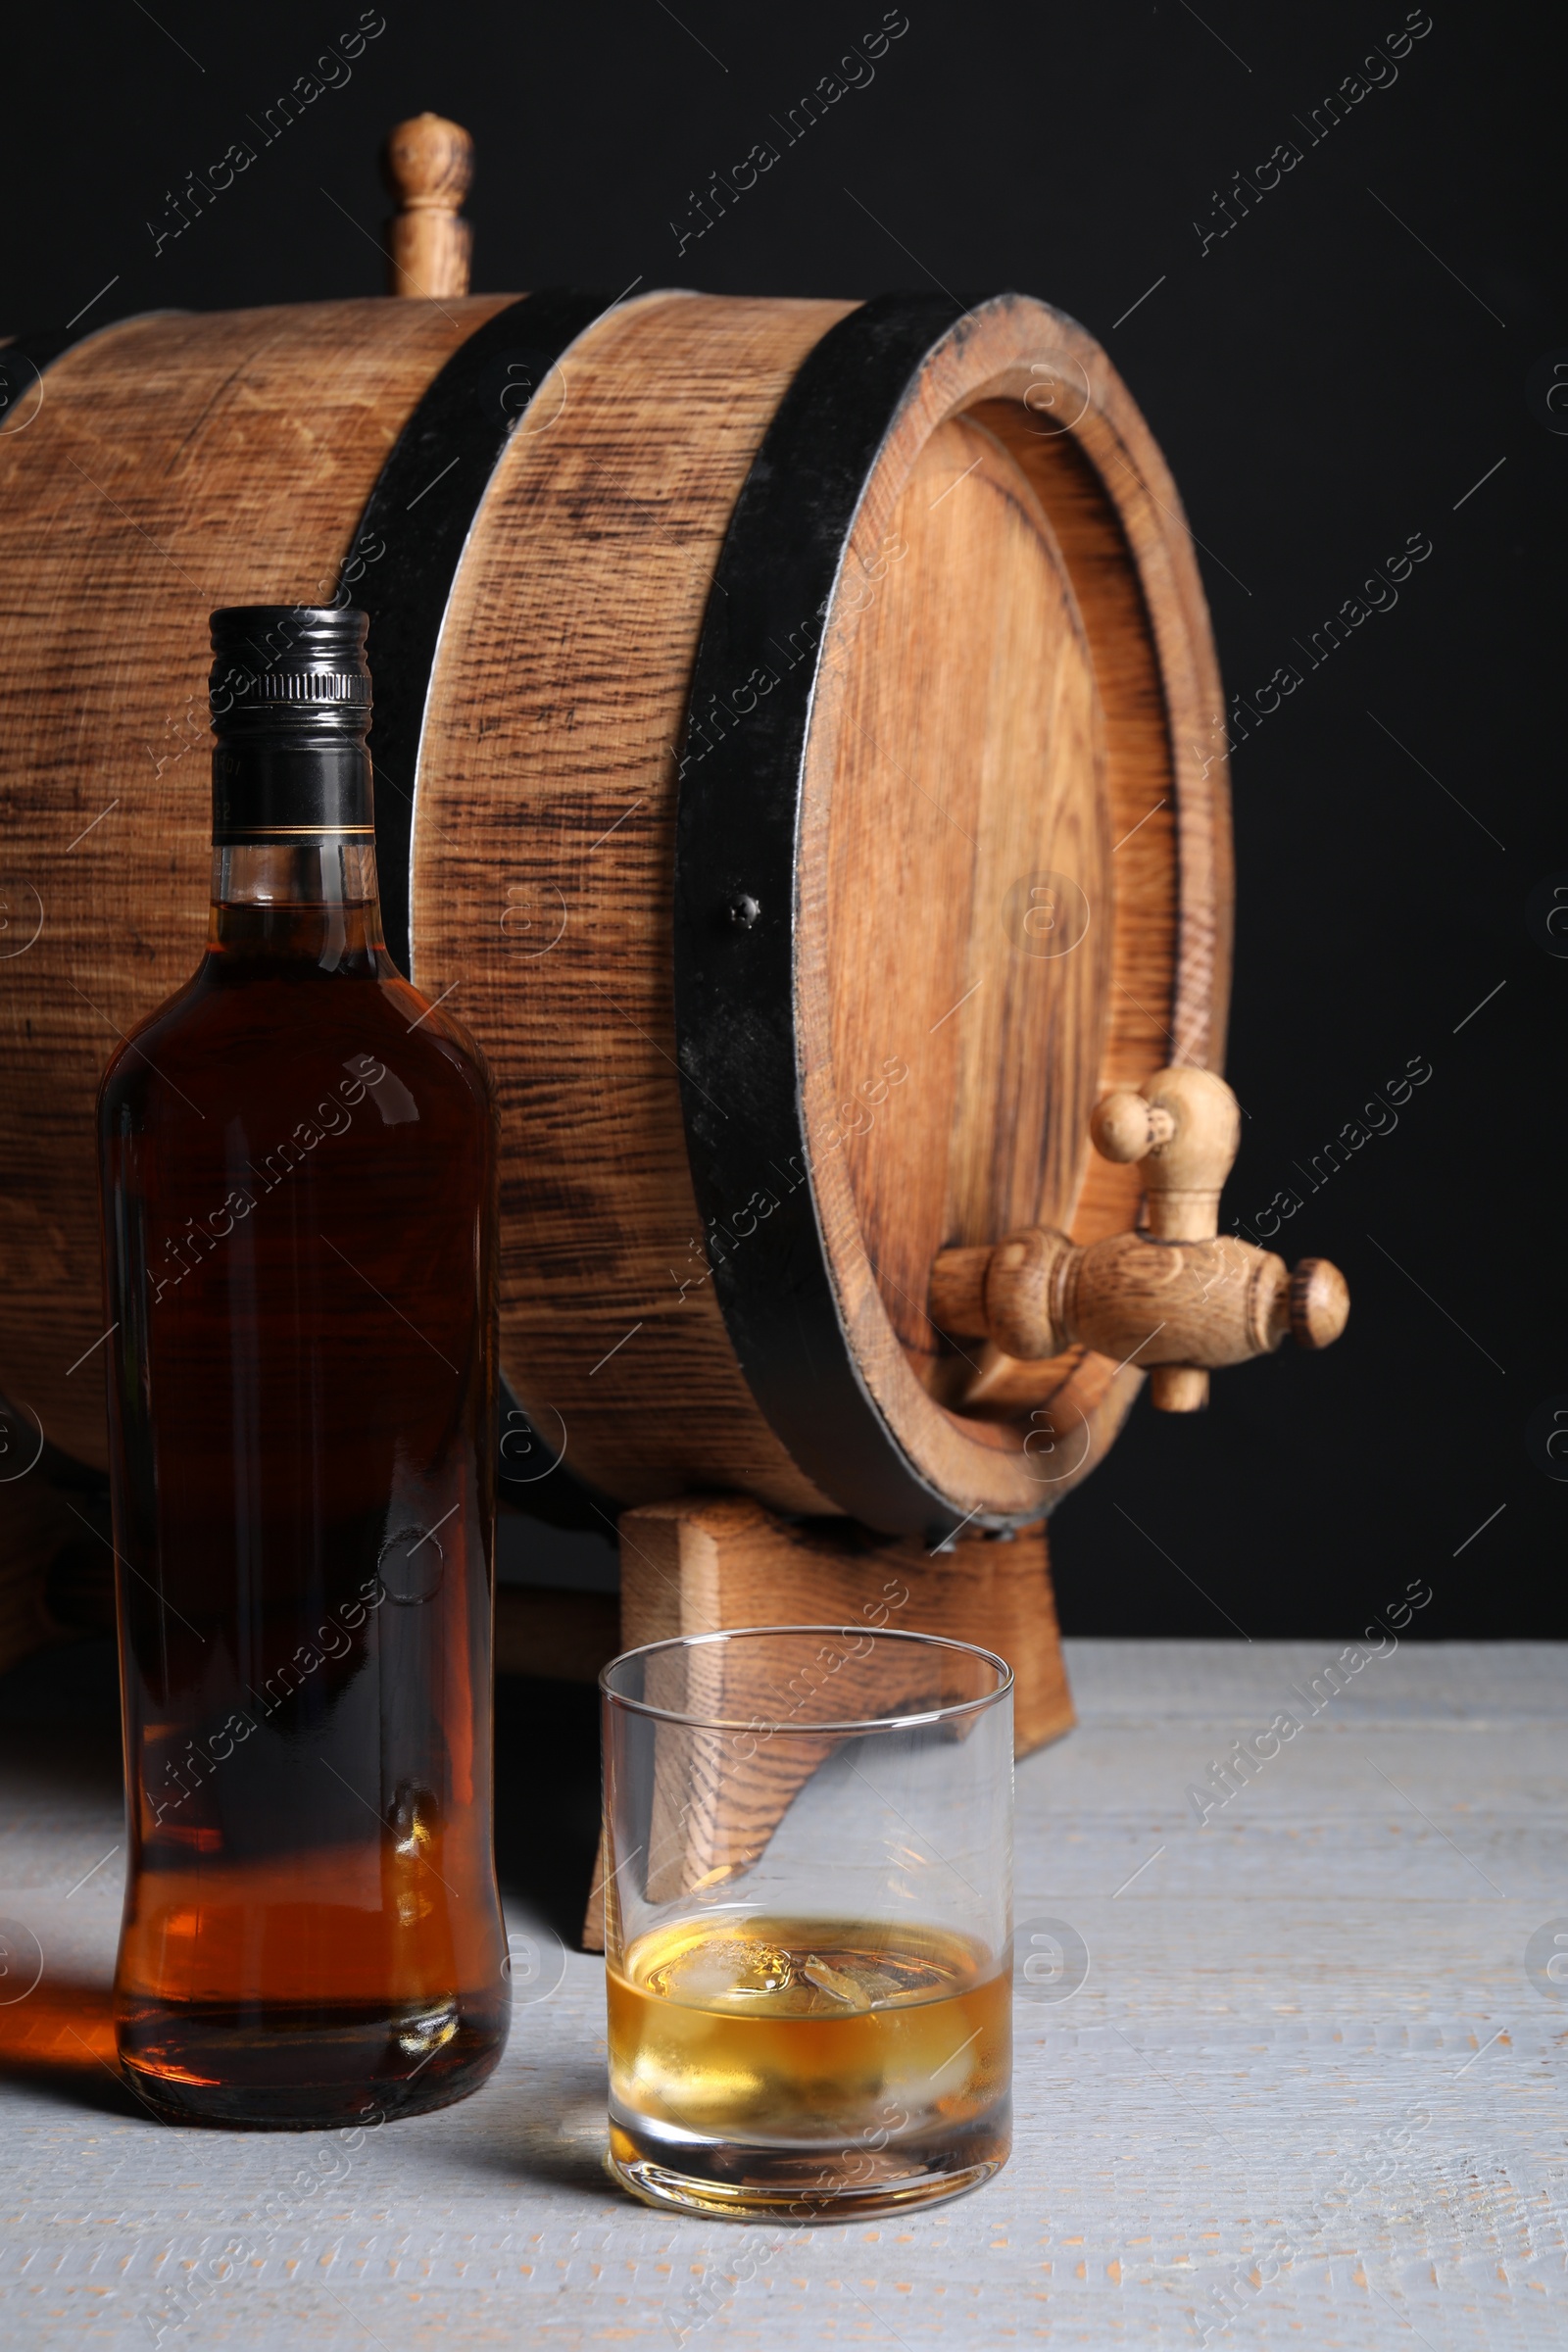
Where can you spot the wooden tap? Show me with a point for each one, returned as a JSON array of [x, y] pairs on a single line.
[[1180, 1298], [429, 162]]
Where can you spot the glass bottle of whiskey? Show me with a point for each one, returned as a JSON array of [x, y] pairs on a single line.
[[299, 1193]]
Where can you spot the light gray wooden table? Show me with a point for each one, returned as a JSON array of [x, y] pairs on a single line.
[[1310, 2092]]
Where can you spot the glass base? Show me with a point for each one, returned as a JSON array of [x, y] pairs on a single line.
[[303, 2070], [830, 2182]]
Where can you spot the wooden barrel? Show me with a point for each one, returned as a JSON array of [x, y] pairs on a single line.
[[798, 760]]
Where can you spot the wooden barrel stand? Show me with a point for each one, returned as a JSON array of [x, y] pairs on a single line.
[[709, 1562]]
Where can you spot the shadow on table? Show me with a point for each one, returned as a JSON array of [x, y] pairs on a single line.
[[60, 1740], [60, 2040], [547, 2124], [60, 1736]]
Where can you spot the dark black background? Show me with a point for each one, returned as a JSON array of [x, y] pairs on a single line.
[[1335, 374]]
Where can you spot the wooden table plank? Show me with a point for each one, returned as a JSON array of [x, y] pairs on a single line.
[[1306, 2053]]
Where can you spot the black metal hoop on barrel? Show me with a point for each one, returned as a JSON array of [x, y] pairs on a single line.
[[401, 568], [737, 825]]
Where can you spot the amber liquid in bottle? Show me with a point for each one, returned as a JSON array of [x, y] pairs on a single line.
[[298, 1166]]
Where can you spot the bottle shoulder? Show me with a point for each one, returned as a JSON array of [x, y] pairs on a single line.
[[134, 1057], [436, 1022], [228, 1041]]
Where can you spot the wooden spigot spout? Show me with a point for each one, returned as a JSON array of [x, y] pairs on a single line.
[[1180, 1298], [1185, 1127], [428, 164]]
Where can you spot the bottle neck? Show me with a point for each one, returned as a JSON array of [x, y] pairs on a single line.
[[294, 849], [316, 903]]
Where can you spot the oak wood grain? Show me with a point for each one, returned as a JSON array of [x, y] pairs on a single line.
[[1041, 654], [969, 858], [1117, 522], [176, 464]]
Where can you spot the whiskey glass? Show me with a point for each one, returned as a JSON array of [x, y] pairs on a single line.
[[808, 1920]]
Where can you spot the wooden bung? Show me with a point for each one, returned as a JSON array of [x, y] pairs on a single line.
[[429, 164], [1178, 1296]]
